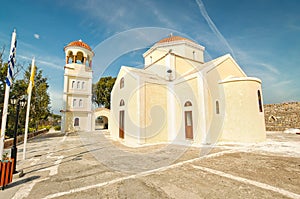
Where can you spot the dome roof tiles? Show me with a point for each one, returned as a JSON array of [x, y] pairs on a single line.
[[172, 38], [79, 43]]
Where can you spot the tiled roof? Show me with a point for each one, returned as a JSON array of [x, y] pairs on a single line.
[[172, 38], [80, 44]]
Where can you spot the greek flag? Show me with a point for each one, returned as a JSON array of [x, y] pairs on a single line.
[[10, 73], [11, 64]]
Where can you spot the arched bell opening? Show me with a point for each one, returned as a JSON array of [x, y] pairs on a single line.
[[70, 58], [80, 59]]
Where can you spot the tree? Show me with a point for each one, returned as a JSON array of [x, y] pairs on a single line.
[[102, 90], [40, 99], [18, 89]]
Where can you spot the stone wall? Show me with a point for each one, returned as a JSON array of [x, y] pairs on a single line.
[[9, 142], [279, 117]]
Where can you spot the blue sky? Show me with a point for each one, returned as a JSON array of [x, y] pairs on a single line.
[[262, 35]]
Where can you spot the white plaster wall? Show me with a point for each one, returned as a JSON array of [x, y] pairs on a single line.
[[214, 122], [188, 91], [128, 94], [156, 113], [81, 73], [243, 120]]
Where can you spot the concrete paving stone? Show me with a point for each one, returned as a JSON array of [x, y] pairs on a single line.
[[90, 165]]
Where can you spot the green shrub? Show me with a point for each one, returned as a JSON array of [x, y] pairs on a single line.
[[30, 130], [44, 127], [57, 128]]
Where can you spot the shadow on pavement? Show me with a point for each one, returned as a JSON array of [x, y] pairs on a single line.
[[16, 183], [72, 158], [54, 152], [47, 136]]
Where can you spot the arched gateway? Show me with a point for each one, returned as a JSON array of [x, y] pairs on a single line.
[[101, 118]]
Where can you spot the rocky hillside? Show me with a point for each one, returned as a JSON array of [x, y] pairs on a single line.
[[282, 116]]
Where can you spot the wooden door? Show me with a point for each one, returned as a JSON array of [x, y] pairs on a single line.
[[121, 125], [188, 125]]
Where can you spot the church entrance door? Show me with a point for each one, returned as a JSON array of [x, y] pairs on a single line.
[[188, 125], [121, 125]]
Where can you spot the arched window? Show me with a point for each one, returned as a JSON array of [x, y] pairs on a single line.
[[80, 103], [82, 85], [122, 82], [194, 55], [76, 121], [122, 103], [188, 103], [73, 84], [259, 101], [78, 84], [74, 102], [217, 107]]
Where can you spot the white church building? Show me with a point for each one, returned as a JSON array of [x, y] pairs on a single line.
[[175, 98]]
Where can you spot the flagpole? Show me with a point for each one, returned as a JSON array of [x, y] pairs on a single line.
[[29, 91], [6, 97]]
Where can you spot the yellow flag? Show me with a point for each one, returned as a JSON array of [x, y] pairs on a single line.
[[32, 76], [31, 82]]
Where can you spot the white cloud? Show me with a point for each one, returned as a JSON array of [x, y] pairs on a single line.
[[24, 45], [24, 57], [281, 84], [159, 15], [213, 26], [271, 68], [118, 16], [51, 62], [37, 36], [109, 14]]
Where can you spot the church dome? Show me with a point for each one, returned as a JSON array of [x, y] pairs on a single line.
[[172, 38], [79, 43]]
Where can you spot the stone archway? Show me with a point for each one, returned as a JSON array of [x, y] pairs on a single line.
[[101, 123], [101, 119]]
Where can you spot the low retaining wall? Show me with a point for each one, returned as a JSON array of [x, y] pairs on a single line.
[[279, 117], [9, 142]]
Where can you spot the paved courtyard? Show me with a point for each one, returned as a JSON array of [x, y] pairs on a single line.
[[91, 165]]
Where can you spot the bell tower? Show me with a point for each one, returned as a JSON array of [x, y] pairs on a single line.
[[77, 96]]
